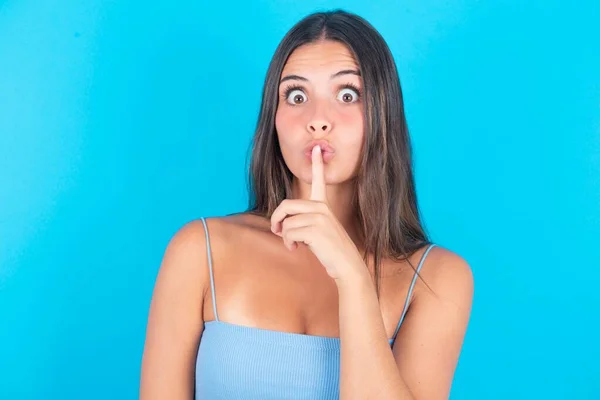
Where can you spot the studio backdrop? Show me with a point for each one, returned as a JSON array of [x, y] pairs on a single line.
[[120, 121]]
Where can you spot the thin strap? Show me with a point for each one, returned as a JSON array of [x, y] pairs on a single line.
[[210, 269], [410, 289]]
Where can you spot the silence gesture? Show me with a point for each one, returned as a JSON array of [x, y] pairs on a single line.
[[311, 222]]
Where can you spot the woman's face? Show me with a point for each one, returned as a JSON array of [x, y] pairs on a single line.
[[320, 103]]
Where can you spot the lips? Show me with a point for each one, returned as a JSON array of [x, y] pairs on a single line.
[[326, 150], [325, 147]]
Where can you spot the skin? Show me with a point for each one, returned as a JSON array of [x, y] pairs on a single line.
[[327, 111], [304, 265]]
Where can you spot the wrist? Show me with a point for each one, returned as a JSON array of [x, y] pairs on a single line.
[[354, 278]]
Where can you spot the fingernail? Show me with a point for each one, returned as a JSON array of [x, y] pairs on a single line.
[[318, 148]]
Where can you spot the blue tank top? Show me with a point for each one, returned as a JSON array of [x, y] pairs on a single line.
[[239, 362]]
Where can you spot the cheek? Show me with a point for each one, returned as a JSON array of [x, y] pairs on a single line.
[[290, 127], [353, 144], [285, 122], [287, 127], [282, 121], [351, 124], [352, 115], [289, 118]]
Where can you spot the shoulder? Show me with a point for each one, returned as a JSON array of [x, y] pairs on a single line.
[[184, 267], [181, 270], [189, 242], [447, 276], [218, 226], [230, 228], [187, 248]]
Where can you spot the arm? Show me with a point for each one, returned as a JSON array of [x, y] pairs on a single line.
[[175, 320], [425, 354]]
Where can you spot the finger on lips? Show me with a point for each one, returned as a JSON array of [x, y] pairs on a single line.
[[283, 215], [318, 176]]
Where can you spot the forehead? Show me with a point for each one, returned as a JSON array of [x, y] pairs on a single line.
[[325, 55]]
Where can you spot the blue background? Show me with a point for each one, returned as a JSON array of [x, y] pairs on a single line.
[[122, 120]]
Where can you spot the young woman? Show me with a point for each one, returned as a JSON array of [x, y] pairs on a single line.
[[327, 286]]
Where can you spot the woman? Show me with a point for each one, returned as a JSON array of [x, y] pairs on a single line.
[[327, 286]]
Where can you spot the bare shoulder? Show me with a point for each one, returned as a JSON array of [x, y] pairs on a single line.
[[176, 316], [187, 251], [175, 319], [190, 239], [189, 246], [229, 225], [447, 276], [182, 275], [429, 343], [184, 267]]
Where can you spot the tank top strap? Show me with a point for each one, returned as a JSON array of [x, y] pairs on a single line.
[[210, 269], [411, 287]]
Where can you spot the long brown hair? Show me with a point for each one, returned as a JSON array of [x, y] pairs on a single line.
[[385, 199]]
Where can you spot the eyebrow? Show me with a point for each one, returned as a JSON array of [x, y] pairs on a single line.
[[337, 74]]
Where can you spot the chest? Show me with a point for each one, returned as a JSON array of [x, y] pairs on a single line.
[[260, 283]]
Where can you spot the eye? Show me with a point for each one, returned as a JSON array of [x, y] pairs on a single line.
[[295, 96], [348, 95]]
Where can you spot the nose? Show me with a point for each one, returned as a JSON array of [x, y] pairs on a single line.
[[318, 127]]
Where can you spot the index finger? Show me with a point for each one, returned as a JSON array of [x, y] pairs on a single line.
[[318, 188]]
